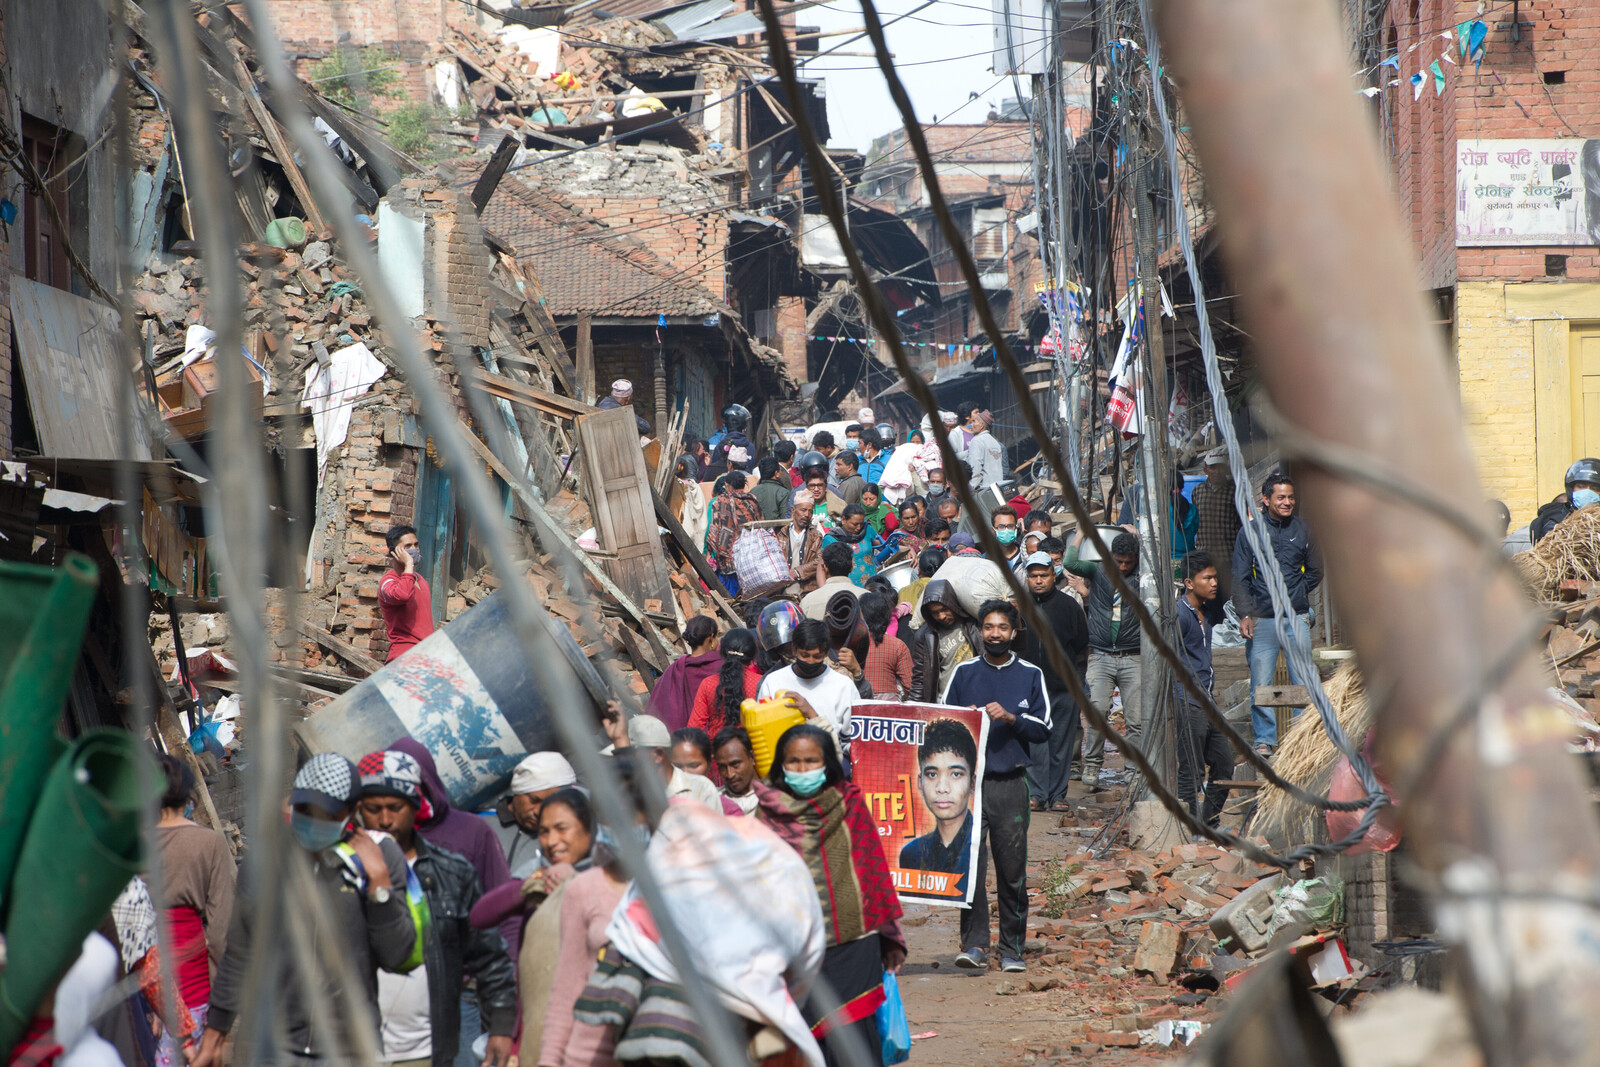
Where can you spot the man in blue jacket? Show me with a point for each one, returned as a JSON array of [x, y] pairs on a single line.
[[1011, 691], [1302, 573]]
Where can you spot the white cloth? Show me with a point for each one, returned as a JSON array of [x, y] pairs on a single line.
[[403, 1005], [76, 998], [330, 393], [695, 787], [747, 803], [831, 694], [747, 907]]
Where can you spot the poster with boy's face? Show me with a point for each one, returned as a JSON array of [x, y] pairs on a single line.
[[920, 768]]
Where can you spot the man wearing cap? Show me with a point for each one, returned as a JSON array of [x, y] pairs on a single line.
[[985, 454], [1051, 761], [535, 778], [622, 397], [651, 737], [1218, 524], [363, 886], [867, 420], [421, 1023]]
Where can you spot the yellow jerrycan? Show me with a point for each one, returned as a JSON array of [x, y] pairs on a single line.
[[765, 721]]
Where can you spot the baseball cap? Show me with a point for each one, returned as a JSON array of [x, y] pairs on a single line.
[[392, 773], [541, 771], [1217, 457], [647, 731], [1040, 559], [327, 781]]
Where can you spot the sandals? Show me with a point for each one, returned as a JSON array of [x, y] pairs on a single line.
[[1265, 751]]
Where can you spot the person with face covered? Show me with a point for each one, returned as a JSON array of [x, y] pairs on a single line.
[[363, 887], [947, 762], [1011, 692]]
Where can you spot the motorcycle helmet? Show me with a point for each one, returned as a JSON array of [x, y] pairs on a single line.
[[736, 417], [811, 463], [776, 626], [1584, 470]]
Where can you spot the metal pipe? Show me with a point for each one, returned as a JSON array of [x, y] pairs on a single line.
[[1502, 826]]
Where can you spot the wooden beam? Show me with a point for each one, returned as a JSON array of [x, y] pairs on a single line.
[[585, 363], [697, 560], [1282, 696], [352, 655], [489, 180], [177, 743], [274, 136], [516, 392]]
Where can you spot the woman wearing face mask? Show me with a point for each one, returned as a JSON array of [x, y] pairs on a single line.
[[586, 908], [567, 838], [808, 803], [197, 897]]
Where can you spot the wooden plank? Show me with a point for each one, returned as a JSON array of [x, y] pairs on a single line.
[[554, 403], [696, 560], [274, 136], [617, 487], [343, 649], [585, 361], [489, 180], [176, 741], [1282, 696]]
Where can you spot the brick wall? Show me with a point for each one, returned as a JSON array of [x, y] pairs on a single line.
[[791, 338], [408, 27]]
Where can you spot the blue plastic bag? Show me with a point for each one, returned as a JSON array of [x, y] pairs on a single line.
[[893, 1030]]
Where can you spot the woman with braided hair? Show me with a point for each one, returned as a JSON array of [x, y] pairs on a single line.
[[716, 705]]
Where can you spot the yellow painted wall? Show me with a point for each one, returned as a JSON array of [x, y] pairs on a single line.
[[1513, 353], [1495, 356]]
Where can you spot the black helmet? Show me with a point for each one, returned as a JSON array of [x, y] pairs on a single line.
[[1585, 470], [736, 417], [812, 463], [776, 626], [886, 435]]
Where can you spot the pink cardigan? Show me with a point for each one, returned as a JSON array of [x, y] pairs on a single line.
[[586, 909]]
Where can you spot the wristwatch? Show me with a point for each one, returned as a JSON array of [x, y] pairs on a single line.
[[380, 895]]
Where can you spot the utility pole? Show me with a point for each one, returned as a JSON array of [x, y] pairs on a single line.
[[1155, 463]]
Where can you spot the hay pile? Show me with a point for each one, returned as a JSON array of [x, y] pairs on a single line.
[[1571, 550], [1306, 757]]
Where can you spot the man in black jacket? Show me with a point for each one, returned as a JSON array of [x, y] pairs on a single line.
[[363, 885], [1051, 761], [947, 637], [422, 1009], [1302, 573], [1113, 646], [1202, 747]]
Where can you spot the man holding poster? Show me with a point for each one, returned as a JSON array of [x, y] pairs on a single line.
[[919, 768]]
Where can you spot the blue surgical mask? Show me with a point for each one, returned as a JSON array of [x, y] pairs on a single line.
[[1007, 536], [852, 444], [806, 783], [315, 835], [1582, 498]]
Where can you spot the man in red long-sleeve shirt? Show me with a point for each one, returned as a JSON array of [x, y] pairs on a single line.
[[403, 595]]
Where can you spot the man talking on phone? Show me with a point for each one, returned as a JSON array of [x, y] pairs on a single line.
[[403, 594]]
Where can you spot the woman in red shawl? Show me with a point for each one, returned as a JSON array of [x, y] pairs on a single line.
[[807, 802], [673, 696]]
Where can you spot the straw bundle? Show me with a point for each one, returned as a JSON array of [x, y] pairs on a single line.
[[1571, 550], [1307, 757]]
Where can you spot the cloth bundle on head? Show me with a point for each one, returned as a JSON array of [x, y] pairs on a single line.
[[621, 390], [865, 417], [541, 771], [845, 626], [327, 781], [394, 774], [948, 418]]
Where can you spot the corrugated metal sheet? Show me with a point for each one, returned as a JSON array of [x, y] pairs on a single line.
[[68, 349], [679, 22], [745, 22]]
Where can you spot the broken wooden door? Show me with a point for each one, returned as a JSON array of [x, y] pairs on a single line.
[[617, 488]]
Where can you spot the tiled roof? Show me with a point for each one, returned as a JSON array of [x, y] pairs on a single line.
[[583, 267]]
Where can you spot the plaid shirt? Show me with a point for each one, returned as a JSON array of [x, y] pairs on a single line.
[[888, 668], [1219, 521], [729, 513]]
